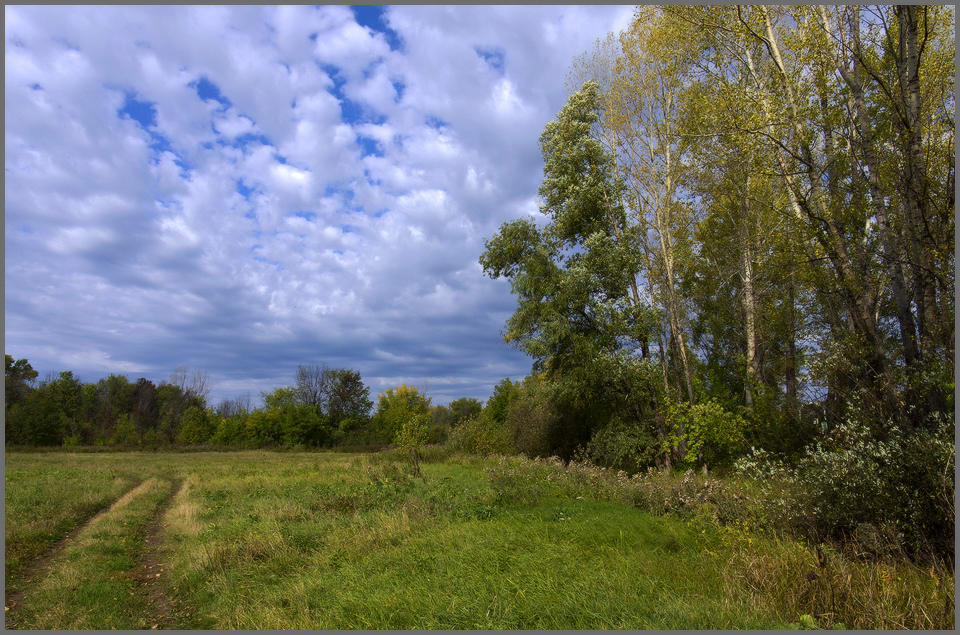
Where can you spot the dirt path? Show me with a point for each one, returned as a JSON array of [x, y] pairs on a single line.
[[39, 567], [152, 570]]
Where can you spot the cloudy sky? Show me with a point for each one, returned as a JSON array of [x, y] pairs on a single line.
[[242, 190]]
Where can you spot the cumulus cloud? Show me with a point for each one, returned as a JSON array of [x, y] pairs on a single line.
[[243, 189]]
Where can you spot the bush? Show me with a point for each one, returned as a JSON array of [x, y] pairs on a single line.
[[411, 439], [621, 446], [365, 437], [264, 427], [711, 434], [852, 484], [230, 430], [438, 434], [397, 405], [125, 433], [304, 426], [532, 421], [481, 435]]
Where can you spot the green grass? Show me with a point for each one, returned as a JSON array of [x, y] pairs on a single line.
[[46, 500], [264, 540], [88, 586]]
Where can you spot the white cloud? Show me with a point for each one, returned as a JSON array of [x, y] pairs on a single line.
[[130, 248]]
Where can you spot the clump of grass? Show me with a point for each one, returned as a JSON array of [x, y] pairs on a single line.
[[793, 579]]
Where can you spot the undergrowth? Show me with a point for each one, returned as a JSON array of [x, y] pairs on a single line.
[[851, 583]]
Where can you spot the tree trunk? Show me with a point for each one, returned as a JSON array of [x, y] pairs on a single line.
[[749, 302], [793, 403], [863, 128]]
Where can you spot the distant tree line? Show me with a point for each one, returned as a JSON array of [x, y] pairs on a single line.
[[323, 404], [324, 407]]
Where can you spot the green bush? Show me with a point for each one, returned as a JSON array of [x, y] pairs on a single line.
[[304, 426], [397, 405], [438, 434], [532, 421], [230, 430], [481, 435], [621, 446], [366, 436], [853, 485], [710, 434], [125, 433], [412, 437], [264, 427]]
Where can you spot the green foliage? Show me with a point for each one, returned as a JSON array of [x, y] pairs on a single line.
[[710, 434], [532, 418], [125, 432], [578, 314], [622, 446], [463, 409], [265, 427], [504, 395], [411, 438], [482, 435], [852, 485], [18, 377], [397, 405], [231, 430], [438, 434], [349, 397], [36, 420], [440, 416], [280, 398], [304, 426], [199, 426]]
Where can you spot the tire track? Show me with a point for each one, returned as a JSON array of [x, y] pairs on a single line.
[[39, 567], [151, 571]]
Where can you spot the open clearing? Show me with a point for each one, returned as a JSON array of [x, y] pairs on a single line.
[[264, 540]]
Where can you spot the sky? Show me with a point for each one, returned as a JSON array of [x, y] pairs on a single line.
[[245, 189]]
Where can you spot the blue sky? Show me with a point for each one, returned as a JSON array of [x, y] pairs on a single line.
[[244, 189]]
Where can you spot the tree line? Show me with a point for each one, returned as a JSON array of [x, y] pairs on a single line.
[[324, 407]]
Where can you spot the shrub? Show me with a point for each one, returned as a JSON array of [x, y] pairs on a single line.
[[411, 439], [230, 430], [304, 426], [853, 484], [711, 434], [264, 427], [481, 435], [366, 436], [504, 395], [125, 433], [621, 446], [532, 422], [438, 434]]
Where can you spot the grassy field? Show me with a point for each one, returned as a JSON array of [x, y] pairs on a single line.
[[263, 540]]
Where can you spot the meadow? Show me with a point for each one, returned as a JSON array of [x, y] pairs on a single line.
[[274, 540]]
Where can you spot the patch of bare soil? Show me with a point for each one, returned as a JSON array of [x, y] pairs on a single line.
[[153, 571], [35, 571]]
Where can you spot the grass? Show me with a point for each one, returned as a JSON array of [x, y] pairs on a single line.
[[45, 501], [263, 540], [90, 585]]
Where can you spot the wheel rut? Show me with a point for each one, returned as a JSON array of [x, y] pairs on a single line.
[[35, 571], [152, 570]]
